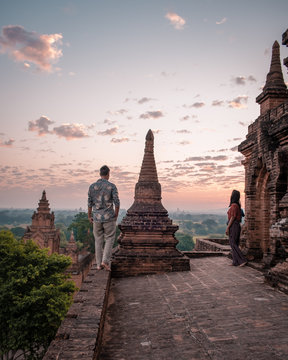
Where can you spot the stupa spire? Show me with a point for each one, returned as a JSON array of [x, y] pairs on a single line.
[[147, 244], [275, 91], [274, 79], [148, 189], [148, 170], [43, 205]]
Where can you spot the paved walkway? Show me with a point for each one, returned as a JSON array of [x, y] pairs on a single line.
[[215, 311]]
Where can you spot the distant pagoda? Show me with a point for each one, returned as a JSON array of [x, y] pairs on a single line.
[[147, 243], [43, 231]]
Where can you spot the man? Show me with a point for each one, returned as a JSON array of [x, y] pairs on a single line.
[[101, 196]]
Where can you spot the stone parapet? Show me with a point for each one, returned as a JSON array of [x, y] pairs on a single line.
[[212, 245], [80, 333]]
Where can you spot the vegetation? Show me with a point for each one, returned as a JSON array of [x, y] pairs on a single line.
[[190, 226], [186, 242], [83, 231], [35, 295]]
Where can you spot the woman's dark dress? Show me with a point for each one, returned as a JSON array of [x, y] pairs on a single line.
[[234, 235]]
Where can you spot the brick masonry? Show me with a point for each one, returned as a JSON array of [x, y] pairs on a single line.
[[147, 243], [80, 333], [213, 312], [265, 232]]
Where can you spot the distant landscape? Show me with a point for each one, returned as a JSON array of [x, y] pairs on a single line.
[[191, 225]]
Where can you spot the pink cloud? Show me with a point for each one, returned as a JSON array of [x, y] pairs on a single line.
[[40, 125], [71, 131], [144, 100], [67, 131], [7, 143], [30, 47], [152, 114], [239, 102], [217, 102], [111, 131], [177, 21], [222, 21], [114, 140], [196, 105]]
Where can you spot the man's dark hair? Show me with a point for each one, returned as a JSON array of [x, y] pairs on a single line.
[[104, 171]]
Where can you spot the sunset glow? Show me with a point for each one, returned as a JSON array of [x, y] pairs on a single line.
[[81, 84]]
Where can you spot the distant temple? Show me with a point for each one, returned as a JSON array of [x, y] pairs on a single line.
[[265, 233], [43, 231], [147, 243]]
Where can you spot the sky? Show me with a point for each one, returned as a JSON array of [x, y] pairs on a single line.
[[82, 82]]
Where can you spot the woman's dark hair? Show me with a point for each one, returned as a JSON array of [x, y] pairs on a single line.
[[104, 171], [235, 197]]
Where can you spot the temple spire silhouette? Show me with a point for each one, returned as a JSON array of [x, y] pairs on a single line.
[[274, 91]]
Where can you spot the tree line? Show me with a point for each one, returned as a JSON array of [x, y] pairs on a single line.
[[190, 226]]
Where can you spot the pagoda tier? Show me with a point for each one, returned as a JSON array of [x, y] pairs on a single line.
[[147, 243]]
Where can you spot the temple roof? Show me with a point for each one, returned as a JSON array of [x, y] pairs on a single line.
[[43, 205]]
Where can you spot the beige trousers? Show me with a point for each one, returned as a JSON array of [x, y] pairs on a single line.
[[104, 232]]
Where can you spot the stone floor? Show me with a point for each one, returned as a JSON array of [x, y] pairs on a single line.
[[215, 311]]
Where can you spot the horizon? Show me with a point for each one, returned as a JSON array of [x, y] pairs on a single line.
[[75, 98], [198, 212]]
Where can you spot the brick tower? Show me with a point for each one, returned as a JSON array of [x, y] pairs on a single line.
[[43, 231], [265, 233], [147, 243]]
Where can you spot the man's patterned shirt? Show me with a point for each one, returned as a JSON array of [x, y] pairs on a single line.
[[101, 196]]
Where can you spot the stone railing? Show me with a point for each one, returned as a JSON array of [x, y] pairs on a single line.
[[212, 245], [80, 333]]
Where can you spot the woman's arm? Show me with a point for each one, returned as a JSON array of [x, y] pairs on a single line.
[[229, 224]]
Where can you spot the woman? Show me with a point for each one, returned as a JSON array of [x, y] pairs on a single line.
[[234, 228]]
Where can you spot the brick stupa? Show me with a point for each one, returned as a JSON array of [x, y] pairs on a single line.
[[43, 231], [147, 244]]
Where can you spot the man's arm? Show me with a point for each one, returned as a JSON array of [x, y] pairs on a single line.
[[90, 204], [116, 201], [116, 212], [90, 217]]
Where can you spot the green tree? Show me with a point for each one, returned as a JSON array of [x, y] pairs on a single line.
[[83, 231], [186, 242], [18, 232], [35, 295]]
